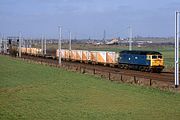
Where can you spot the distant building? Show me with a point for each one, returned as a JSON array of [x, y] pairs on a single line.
[[112, 42]]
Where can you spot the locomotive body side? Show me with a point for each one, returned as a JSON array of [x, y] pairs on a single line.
[[141, 60], [134, 59]]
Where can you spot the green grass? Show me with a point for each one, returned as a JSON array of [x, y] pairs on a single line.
[[36, 92]]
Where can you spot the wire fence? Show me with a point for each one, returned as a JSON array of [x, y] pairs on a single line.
[[107, 74]]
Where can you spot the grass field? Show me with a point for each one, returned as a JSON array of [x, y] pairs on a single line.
[[36, 92]]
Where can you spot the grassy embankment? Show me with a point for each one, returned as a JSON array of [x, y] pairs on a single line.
[[36, 92]]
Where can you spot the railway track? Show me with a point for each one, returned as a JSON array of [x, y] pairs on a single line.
[[164, 76]]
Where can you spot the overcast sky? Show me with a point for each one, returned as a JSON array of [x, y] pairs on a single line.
[[84, 18]]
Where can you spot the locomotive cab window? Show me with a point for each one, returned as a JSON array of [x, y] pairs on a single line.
[[160, 56], [154, 57]]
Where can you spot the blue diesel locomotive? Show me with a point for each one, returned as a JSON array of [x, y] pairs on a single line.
[[150, 61]]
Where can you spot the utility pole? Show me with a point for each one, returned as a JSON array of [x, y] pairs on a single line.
[[176, 72], [26, 44], [42, 48], [59, 43], [104, 36], [130, 38], [1, 44], [5, 45], [30, 42], [69, 40], [20, 40], [44, 45]]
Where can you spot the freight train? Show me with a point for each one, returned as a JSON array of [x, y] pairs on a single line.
[[150, 61]]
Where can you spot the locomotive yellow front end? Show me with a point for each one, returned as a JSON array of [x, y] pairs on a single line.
[[157, 62]]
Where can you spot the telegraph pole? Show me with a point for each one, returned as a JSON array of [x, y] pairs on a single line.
[[59, 43], [130, 38], [176, 72], [45, 45], [5, 45], [30, 42], [20, 40], [26, 44], [104, 36], [42, 48], [69, 40], [1, 44]]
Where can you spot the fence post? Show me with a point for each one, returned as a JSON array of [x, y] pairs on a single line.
[[109, 76], [94, 71], [135, 79], [84, 71], [150, 82], [121, 77]]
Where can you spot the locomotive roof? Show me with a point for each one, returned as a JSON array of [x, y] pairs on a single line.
[[140, 52]]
